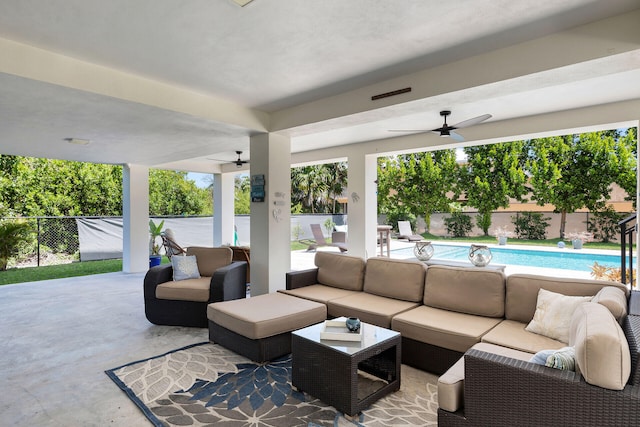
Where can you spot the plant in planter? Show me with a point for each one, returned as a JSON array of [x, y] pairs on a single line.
[[501, 233], [578, 239], [154, 248]]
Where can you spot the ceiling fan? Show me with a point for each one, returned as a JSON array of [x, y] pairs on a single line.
[[239, 162], [448, 130]]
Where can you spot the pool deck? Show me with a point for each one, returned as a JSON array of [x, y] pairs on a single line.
[[301, 260]]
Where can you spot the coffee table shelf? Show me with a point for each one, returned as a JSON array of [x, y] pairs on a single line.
[[339, 372]]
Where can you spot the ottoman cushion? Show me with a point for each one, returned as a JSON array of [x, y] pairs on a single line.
[[266, 315]]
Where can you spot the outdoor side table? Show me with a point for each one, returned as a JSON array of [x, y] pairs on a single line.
[[333, 371]]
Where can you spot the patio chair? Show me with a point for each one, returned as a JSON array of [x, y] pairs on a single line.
[[170, 246], [321, 241], [406, 233], [168, 300]]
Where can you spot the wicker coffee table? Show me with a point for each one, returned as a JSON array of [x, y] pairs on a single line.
[[349, 376]]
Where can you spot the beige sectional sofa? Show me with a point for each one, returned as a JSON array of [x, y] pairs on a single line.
[[450, 315]]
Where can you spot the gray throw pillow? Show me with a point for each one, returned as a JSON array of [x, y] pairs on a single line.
[[185, 267]]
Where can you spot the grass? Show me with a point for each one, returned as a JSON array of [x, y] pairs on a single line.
[[60, 271]]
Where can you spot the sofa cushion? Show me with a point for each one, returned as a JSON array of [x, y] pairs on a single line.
[[184, 267], [512, 334], [553, 314], [522, 292], [210, 259], [614, 299], [340, 271], [602, 351], [395, 278], [318, 293], [466, 290], [444, 328], [185, 290], [451, 383], [266, 315], [369, 308]]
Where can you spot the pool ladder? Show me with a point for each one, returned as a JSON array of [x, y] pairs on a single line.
[[627, 230]]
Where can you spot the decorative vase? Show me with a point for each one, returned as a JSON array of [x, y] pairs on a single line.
[[577, 244], [502, 240], [353, 324], [480, 255], [423, 251], [154, 260]]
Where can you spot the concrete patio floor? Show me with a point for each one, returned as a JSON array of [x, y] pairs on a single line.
[[59, 336]]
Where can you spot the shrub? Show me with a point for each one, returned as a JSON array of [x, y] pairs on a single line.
[[604, 224], [530, 225], [458, 224], [13, 235]]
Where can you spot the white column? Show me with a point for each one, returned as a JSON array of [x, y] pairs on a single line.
[[362, 205], [135, 218], [223, 209], [271, 219]]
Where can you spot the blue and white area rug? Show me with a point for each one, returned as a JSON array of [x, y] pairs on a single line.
[[206, 384]]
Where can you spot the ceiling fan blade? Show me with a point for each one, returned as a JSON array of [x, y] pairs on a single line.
[[472, 121], [408, 130], [456, 136]]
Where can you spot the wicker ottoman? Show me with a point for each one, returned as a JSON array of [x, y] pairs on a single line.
[[260, 327]]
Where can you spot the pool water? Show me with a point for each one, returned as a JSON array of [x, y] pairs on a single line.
[[566, 259]]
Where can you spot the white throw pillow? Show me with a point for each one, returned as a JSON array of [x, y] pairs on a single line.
[[184, 267], [553, 314]]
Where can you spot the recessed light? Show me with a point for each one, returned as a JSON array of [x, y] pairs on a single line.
[[77, 141]]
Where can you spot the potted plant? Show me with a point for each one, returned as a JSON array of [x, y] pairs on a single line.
[[154, 248], [501, 233], [578, 239]]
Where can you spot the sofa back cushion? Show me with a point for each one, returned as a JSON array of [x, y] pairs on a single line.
[[395, 278], [468, 290], [602, 351], [614, 299], [340, 271], [210, 259], [522, 292]]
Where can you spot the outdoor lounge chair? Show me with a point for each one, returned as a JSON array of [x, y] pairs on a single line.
[[170, 246], [406, 233], [320, 240]]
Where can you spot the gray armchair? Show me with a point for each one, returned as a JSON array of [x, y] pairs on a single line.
[[184, 303]]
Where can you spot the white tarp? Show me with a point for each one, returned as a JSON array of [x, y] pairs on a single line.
[[101, 238]]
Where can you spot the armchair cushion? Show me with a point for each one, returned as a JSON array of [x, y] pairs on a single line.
[[184, 267], [210, 259], [185, 290]]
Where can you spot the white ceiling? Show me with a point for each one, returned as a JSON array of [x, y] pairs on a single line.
[[168, 83]]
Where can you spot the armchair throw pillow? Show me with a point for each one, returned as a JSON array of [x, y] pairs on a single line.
[[552, 317], [184, 267]]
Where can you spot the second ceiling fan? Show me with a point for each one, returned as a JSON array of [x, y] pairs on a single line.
[[447, 130], [239, 162]]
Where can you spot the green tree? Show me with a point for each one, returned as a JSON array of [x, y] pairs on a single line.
[[626, 150], [14, 234], [242, 195], [419, 184], [171, 193], [315, 188], [493, 174], [572, 172]]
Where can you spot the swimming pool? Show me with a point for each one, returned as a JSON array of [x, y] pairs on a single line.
[[566, 259]]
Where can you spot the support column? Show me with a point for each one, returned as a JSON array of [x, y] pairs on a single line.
[[135, 218], [223, 209], [271, 219], [363, 205]]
